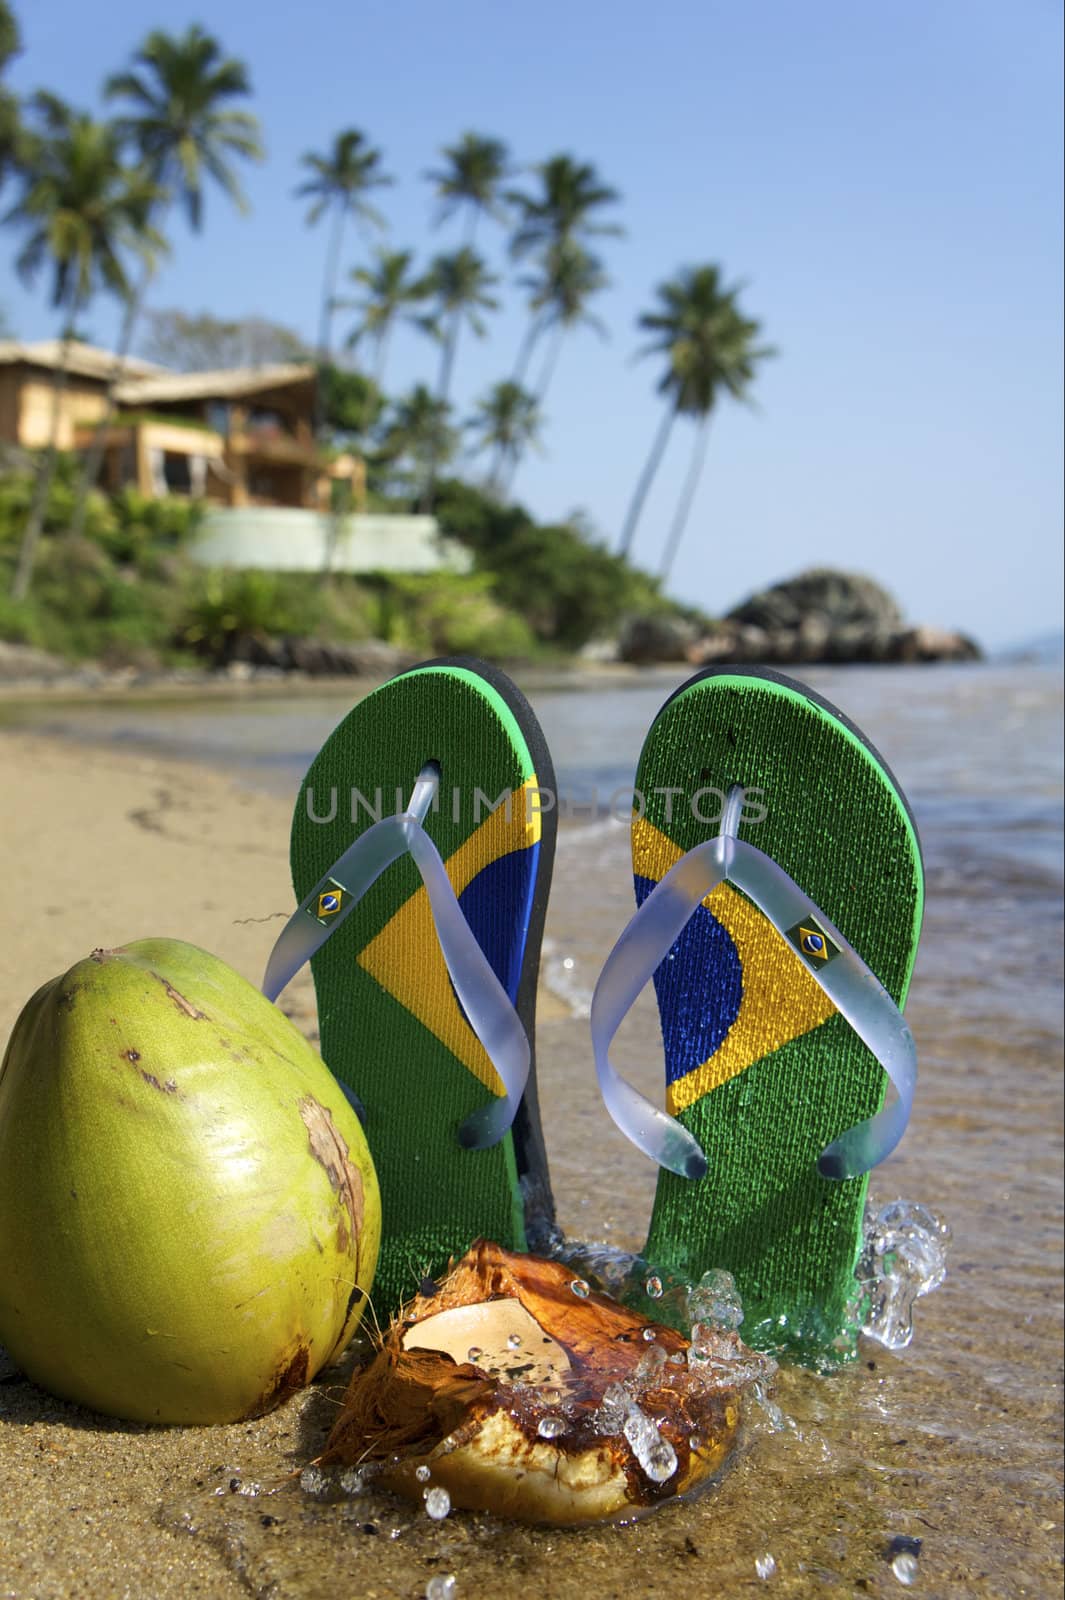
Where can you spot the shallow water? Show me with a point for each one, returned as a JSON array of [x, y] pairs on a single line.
[[957, 1440]]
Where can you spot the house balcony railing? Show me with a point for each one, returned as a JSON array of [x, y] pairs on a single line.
[[281, 447]]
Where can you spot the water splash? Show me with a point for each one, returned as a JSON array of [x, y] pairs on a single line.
[[904, 1568], [904, 1256], [441, 1586], [715, 1299], [314, 1481], [437, 1503], [656, 1455]]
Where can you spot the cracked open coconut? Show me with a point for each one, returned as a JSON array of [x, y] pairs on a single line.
[[521, 1391]]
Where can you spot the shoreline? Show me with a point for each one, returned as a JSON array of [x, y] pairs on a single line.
[[80, 683], [102, 843]]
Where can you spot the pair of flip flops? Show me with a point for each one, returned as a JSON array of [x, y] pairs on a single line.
[[778, 881]]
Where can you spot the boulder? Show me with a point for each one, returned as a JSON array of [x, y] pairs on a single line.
[[841, 599], [819, 616], [645, 639], [933, 644]]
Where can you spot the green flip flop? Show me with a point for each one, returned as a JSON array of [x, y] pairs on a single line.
[[779, 882], [393, 1028]]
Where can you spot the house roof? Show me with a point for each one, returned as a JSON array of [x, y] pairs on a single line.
[[83, 360], [227, 384]]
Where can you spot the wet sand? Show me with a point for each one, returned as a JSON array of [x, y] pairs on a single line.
[[956, 1441]]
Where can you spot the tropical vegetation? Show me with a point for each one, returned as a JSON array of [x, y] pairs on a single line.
[[92, 197]]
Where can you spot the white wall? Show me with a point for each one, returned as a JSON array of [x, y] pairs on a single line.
[[287, 539]]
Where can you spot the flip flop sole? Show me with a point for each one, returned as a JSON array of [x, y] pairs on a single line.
[[759, 1065], [391, 1026]]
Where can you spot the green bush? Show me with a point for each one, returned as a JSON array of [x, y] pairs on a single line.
[[16, 497], [86, 606], [222, 606], [453, 614], [145, 528], [567, 588], [19, 621]]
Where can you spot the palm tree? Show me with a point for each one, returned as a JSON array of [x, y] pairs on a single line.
[[710, 349], [391, 288], [507, 422], [473, 177], [460, 286], [83, 211], [339, 182], [571, 194], [420, 432], [569, 276], [179, 118], [553, 225]]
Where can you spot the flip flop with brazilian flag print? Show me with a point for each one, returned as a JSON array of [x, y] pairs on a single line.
[[781, 947], [393, 1029]]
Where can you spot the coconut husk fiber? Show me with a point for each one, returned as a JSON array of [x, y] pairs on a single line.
[[521, 1391]]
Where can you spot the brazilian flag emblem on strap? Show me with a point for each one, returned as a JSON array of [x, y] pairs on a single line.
[[812, 943], [330, 901]]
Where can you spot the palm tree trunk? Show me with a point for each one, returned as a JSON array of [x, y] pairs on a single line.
[[646, 478], [447, 359], [687, 495], [447, 367], [382, 354], [325, 319], [20, 586], [329, 285], [528, 345], [498, 476], [547, 371], [90, 470]]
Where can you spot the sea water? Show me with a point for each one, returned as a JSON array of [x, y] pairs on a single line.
[[933, 1464]]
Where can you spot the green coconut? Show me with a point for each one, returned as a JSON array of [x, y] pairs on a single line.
[[189, 1215]]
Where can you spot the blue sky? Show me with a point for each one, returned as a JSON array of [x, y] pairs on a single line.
[[885, 179]]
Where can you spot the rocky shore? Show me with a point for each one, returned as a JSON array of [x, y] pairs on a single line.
[[817, 618], [821, 616]]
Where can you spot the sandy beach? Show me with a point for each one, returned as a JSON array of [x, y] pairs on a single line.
[[955, 1442]]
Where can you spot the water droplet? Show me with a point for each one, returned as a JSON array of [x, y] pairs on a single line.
[[352, 1480], [474, 1353], [437, 1503], [650, 1334], [650, 1365], [422, 1473], [513, 1341], [678, 1359], [695, 1441], [765, 1566], [313, 1481], [441, 1586], [579, 1288], [654, 1287], [655, 1454], [904, 1567], [569, 963], [550, 1427]]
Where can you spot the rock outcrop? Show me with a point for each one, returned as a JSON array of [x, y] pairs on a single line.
[[817, 617]]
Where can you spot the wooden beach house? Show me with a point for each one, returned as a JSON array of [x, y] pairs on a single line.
[[240, 437]]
